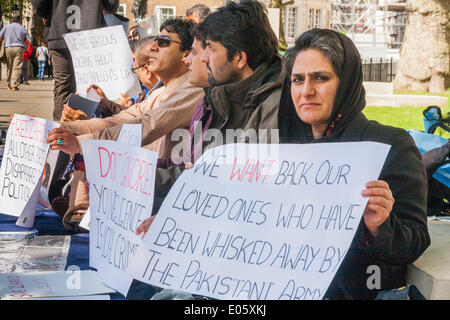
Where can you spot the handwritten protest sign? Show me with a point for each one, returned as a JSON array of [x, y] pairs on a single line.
[[273, 226], [121, 185], [103, 57], [51, 284], [130, 134], [22, 166]]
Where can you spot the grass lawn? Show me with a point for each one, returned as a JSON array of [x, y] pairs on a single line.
[[403, 117]]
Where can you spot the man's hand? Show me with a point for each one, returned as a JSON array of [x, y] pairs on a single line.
[[64, 140], [379, 205], [125, 101], [145, 225], [70, 114]]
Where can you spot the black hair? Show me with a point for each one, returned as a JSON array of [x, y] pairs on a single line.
[[181, 27], [198, 34], [110, 8], [242, 26], [202, 10]]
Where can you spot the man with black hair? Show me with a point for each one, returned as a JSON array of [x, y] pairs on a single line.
[[244, 73], [166, 109]]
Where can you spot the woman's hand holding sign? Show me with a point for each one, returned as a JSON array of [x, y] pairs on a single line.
[[379, 205], [64, 140]]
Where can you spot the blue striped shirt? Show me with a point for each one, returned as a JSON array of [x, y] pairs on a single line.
[[14, 35]]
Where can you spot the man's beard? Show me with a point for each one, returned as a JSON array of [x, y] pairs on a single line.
[[228, 77]]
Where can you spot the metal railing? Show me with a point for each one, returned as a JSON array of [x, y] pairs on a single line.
[[379, 69]]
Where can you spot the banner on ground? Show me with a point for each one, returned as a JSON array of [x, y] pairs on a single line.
[[103, 57], [22, 165], [248, 222], [121, 186]]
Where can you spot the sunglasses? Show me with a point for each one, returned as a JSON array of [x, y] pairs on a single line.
[[164, 41]]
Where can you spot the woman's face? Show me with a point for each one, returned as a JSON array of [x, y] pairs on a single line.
[[313, 89]]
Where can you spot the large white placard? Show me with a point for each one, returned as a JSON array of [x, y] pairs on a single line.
[[121, 184], [246, 223], [103, 57], [130, 134], [22, 166]]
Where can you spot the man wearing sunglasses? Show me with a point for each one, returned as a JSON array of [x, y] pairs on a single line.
[[165, 110]]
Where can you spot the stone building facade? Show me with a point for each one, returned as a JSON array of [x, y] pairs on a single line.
[[302, 15], [165, 8]]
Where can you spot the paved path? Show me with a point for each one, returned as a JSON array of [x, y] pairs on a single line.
[[33, 100]]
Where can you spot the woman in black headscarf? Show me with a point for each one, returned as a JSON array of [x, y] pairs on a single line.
[[322, 101]]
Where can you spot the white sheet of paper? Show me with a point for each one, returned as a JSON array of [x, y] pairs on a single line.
[[86, 221], [22, 165], [26, 219], [103, 57], [245, 223], [130, 134], [93, 96], [51, 284], [121, 184]]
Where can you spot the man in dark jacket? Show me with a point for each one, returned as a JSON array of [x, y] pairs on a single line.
[[244, 73], [61, 17]]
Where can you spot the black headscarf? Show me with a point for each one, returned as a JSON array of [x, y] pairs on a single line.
[[350, 100]]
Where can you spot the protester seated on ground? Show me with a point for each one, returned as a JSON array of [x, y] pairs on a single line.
[[198, 76], [244, 71], [128, 102], [165, 110], [147, 79], [322, 101]]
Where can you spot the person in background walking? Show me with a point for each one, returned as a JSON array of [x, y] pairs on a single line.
[[42, 56], [14, 35]]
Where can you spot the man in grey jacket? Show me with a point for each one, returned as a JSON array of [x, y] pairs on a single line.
[[61, 17]]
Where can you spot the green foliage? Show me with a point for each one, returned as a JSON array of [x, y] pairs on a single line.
[[7, 6]]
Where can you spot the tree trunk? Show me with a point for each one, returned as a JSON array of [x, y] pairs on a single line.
[[425, 53], [280, 5]]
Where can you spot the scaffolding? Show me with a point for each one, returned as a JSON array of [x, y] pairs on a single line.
[[384, 20]]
